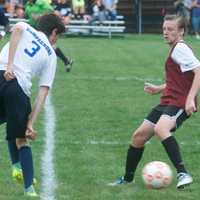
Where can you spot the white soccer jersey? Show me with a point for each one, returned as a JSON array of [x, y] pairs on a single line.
[[34, 57]]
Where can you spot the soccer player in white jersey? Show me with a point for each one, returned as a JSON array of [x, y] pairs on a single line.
[[28, 53]]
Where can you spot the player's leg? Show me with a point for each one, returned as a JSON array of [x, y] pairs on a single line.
[[135, 151], [140, 137], [18, 108], [14, 157], [67, 61], [163, 128], [13, 151], [17, 174], [26, 160]]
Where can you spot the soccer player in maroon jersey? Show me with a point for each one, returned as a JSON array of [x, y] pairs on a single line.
[[178, 102]]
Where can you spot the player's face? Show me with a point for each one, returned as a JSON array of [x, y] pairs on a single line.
[[171, 32]]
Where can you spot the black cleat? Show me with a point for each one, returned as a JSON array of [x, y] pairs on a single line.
[[68, 65]]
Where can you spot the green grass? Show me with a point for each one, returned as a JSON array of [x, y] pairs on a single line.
[[102, 100]]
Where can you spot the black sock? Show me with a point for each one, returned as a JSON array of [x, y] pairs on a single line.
[[171, 146], [134, 156], [25, 156], [61, 55]]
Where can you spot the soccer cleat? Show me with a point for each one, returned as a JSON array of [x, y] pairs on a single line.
[[119, 181], [68, 65], [30, 192], [17, 175], [184, 179]]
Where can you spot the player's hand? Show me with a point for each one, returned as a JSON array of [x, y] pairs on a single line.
[[30, 133], [9, 74], [151, 89], [190, 107]]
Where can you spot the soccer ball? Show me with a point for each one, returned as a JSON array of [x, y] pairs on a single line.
[[157, 174]]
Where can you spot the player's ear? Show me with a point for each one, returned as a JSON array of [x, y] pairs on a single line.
[[54, 32], [53, 36]]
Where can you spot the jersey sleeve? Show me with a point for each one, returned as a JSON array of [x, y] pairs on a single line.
[[22, 24], [48, 72], [184, 56]]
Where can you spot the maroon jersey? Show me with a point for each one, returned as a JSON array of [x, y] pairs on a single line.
[[178, 84]]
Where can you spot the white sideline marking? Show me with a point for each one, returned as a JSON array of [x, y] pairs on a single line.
[[48, 174]]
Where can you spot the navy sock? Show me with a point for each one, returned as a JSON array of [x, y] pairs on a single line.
[[13, 151], [25, 156]]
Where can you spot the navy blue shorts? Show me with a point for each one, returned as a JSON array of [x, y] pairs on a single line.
[[15, 108], [169, 110]]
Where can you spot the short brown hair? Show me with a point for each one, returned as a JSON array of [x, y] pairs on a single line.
[[182, 22], [48, 22]]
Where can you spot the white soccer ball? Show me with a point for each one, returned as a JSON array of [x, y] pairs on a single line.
[[157, 174]]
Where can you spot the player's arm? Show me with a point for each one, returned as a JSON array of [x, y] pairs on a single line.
[[154, 89], [190, 106], [14, 40], [184, 56], [39, 101]]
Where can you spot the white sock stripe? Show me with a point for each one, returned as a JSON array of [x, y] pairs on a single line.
[[48, 179]]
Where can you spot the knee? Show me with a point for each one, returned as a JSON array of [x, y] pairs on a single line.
[[20, 142], [159, 130], [138, 139]]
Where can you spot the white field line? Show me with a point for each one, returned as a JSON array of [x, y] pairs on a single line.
[[48, 174], [118, 78], [119, 143]]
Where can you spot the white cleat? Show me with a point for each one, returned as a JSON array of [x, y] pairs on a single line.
[[184, 179]]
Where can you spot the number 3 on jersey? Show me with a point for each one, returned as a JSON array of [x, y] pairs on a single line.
[[31, 52]]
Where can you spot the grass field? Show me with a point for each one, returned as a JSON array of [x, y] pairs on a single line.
[[98, 105]]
